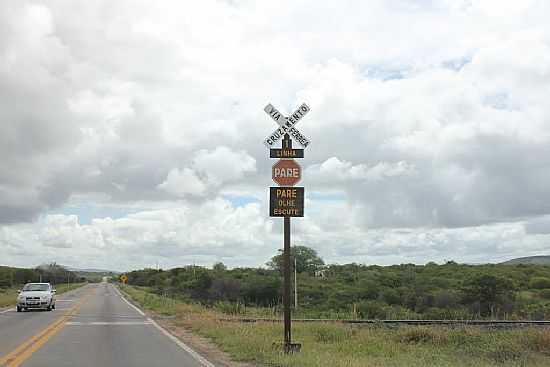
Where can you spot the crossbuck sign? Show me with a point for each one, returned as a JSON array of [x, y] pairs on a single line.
[[286, 125]]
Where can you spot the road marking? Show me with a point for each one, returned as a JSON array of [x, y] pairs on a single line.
[[64, 300], [8, 310], [130, 304], [35, 342], [79, 323], [183, 346], [178, 342]]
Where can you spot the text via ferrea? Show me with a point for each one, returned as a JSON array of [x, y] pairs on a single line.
[[286, 201]]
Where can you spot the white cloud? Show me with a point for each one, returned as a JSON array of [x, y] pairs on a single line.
[[425, 115], [209, 171], [223, 165], [183, 182], [205, 233], [335, 171]]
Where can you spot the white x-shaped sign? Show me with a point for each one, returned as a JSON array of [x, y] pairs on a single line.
[[286, 125]]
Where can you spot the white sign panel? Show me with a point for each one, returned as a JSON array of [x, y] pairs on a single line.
[[286, 125]]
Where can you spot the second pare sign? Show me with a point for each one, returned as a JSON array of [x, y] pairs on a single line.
[[286, 201]]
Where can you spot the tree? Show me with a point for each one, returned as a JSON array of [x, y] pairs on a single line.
[[219, 267], [488, 291], [307, 260]]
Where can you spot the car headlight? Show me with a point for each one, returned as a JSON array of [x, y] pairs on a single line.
[[45, 298]]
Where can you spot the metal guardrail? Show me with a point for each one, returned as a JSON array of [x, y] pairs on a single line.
[[485, 323]]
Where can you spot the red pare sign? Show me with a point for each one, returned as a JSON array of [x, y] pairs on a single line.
[[286, 172]]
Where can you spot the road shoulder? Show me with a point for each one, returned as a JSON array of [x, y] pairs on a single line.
[[202, 346]]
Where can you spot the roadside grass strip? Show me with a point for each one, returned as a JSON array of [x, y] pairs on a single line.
[[348, 345], [22, 352]]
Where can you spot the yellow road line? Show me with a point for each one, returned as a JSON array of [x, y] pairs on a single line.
[[31, 345]]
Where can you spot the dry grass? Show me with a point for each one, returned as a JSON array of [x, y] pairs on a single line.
[[541, 341], [338, 345]]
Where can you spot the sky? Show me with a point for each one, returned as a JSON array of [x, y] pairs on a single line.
[[131, 132]]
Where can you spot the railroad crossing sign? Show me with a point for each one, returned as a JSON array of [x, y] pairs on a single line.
[[286, 172], [124, 278], [286, 200], [286, 125]]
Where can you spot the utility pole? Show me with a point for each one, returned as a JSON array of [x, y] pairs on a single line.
[[295, 285]]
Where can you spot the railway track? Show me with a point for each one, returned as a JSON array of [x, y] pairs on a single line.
[[481, 323]]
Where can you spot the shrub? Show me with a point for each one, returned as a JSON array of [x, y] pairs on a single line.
[[506, 352], [390, 296], [445, 299], [436, 313], [230, 308], [371, 310], [368, 289], [331, 334], [539, 283], [415, 335], [545, 293]]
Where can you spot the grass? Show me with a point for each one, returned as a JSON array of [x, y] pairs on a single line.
[[8, 295], [338, 345]]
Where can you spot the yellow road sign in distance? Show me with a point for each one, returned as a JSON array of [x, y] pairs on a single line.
[[124, 278]]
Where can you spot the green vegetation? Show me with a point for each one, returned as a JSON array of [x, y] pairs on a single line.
[[529, 260], [335, 345], [7, 296], [11, 279], [407, 291], [52, 273]]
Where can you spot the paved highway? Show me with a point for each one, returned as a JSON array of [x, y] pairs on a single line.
[[92, 326]]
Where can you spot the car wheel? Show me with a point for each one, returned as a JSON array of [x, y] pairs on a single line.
[[49, 308], [53, 306], [18, 309]]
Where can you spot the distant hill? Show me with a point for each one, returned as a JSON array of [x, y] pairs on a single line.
[[535, 260], [91, 270]]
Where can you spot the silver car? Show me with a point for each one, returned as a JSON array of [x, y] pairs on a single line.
[[36, 296]]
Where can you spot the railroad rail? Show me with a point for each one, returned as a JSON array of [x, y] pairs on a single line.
[[482, 323]]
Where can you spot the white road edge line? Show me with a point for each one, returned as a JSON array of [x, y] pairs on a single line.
[[178, 342], [8, 310], [130, 304], [182, 345]]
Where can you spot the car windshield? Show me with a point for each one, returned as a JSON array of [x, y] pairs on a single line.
[[36, 287]]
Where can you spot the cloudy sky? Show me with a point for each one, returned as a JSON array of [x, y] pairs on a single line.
[[131, 131]]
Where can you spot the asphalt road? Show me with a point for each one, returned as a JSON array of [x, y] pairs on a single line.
[[92, 326]]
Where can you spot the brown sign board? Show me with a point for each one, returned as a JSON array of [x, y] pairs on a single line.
[[286, 153], [286, 172], [286, 201]]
